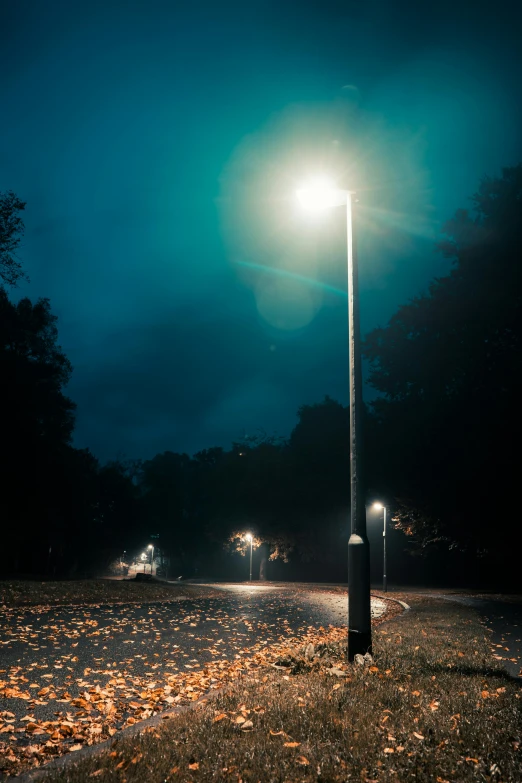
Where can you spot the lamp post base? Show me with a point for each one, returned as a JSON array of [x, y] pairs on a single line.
[[359, 643], [359, 611]]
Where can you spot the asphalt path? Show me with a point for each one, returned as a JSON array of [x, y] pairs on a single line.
[[503, 620], [48, 659]]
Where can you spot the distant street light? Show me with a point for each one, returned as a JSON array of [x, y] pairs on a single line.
[[378, 507], [151, 547], [319, 196], [250, 538]]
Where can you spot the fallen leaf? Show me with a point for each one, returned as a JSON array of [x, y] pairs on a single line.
[[194, 766], [276, 733], [302, 760], [291, 744], [221, 716], [389, 750], [76, 747], [419, 736], [247, 725], [472, 760]]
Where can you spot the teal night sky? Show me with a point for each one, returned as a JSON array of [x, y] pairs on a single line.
[[158, 146]]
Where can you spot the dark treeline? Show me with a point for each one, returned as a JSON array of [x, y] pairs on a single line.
[[442, 441]]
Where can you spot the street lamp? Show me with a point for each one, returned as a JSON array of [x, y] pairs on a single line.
[[250, 538], [378, 507], [151, 547], [319, 196]]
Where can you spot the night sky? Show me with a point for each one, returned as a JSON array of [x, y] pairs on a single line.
[[158, 146]]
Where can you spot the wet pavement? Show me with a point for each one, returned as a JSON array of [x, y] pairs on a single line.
[[49, 658]]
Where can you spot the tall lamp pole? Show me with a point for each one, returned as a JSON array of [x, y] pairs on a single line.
[[249, 538], [378, 506], [318, 197], [151, 547]]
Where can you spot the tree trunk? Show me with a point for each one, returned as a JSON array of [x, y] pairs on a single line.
[[263, 564]]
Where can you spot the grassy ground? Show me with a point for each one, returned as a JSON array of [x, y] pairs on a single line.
[[91, 591], [433, 707]]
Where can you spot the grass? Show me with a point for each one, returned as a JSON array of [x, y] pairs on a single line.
[[92, 591], [434, 707]]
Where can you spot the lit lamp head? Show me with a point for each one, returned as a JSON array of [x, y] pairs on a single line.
[[378, 506], [150, 546], [320, 194], [248, 536]]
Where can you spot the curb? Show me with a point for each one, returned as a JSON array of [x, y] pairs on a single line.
[[90, 750], [404, 605]]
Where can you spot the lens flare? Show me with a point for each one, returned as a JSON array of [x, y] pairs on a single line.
[[320, 194]]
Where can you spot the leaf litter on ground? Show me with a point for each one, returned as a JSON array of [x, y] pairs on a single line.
[[68, 704], [378, 726]]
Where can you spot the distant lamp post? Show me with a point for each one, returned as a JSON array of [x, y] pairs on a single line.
[[151, 547], [319, 196], [378, 507], [249, 537]]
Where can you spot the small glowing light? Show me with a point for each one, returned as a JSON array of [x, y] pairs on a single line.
[[150, 546], [248, 536], [378, 506], [320, 194]]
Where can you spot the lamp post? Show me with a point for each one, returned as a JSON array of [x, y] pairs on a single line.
[[378, 506], [319, 196], [151, 547], [249, 538]]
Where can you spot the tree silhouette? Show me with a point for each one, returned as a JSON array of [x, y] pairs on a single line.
[[11, 232], [448, 366]]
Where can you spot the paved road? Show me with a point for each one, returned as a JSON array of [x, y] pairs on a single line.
[[504, 622], [49, 659]]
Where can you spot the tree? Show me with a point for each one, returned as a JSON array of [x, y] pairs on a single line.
[[39, 419], [448, 366], [11, 232], [167, 484], [35, 371], [292, 496]]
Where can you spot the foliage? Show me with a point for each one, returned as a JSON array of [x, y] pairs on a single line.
[[11, 232], [448, 366]]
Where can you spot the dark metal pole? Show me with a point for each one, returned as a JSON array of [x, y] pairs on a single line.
[[359, 615], [384, 576]]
